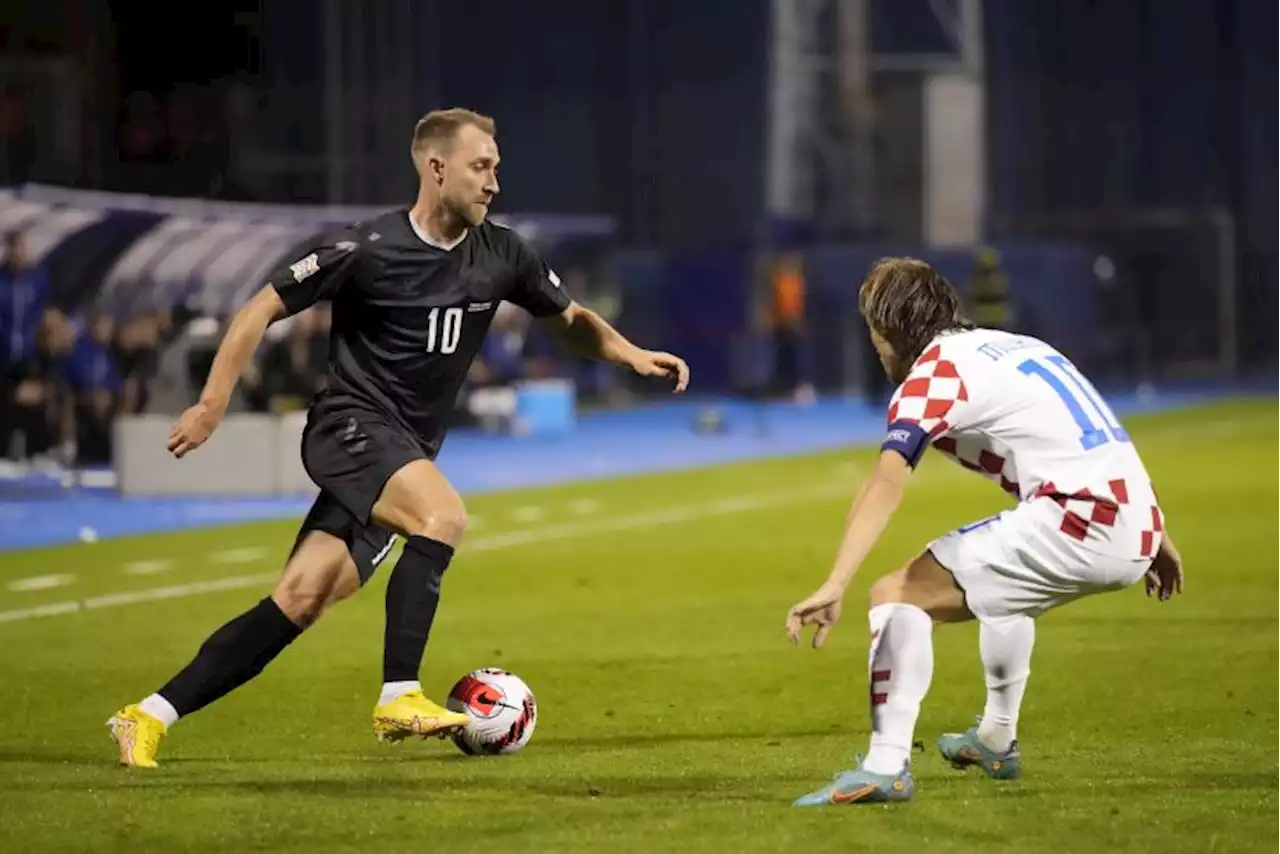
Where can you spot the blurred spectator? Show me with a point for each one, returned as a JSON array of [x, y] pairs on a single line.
[[172, 387], [204, 334], [294, 367], [24, 293], [511, 352], [136, 349], [786, 318], [80, 358], [989, 300]]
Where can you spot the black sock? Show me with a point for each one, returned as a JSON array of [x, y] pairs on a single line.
[[231, 656], [412, 596]]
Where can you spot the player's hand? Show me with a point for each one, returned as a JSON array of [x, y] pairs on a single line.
[[1165, 574], [653, 363], [822, 609], [193, 428]]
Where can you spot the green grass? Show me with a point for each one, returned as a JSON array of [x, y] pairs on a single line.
[[674, 715]]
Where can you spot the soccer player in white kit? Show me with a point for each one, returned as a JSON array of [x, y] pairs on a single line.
[[1017, 412]]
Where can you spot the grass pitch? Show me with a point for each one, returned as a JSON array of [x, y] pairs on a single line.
[[647, 615]]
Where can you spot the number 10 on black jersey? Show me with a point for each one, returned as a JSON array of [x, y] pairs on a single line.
[[444, 328]]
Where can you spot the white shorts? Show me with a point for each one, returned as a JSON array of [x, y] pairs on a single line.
[[1019, 562]]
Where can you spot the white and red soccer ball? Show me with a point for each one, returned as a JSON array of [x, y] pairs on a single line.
[[501, 709]]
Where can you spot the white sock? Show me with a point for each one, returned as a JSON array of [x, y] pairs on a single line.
[[161, 709], [901, 666], [395, 690], [1006, 655]]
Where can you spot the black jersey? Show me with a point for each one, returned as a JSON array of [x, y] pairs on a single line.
[[409, 316]]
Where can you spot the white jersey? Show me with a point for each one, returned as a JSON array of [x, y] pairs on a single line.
[[1018, 412]]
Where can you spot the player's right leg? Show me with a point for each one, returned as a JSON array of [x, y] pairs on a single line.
[[320, 572], [904, 606]]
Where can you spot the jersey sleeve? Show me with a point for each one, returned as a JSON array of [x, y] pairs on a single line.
[[932, 401], [319, 273], [537, 287]]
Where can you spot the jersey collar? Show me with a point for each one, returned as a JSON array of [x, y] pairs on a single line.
[[425, 238]]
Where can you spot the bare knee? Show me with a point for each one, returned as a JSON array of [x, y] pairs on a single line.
[[889, 589], [436, 522], [418, 501], [925, 584]]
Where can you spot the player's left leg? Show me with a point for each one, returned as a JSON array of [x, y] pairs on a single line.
[[419, 502], [381, 476], [904, 606], [1014, 568], [1005, 646], [330, 560]]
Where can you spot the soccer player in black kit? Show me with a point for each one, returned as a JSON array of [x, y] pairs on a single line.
[[413, 292]]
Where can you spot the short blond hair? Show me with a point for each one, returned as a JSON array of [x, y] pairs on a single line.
[[439, 127]]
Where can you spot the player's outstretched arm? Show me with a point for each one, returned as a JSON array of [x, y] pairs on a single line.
[[584, 333], [243, 336], [877, 500], [875, 505]]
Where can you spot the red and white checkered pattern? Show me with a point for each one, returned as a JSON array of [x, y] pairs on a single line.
[[1083, 509], [979, 407], [1153, 536], [932, 393], [975, 455]]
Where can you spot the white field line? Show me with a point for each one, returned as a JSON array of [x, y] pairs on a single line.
[[154, 594], [531, 513], [248, 555], [40, 582], [494, 542], [148, 567], [654, 519]]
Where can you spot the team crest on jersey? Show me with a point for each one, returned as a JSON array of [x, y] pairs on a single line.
[[306, 267]]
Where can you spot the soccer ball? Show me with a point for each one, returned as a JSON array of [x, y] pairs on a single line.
[[501, 709]]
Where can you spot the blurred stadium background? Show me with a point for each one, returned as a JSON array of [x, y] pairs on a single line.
[[715, 178], [1099, 174]]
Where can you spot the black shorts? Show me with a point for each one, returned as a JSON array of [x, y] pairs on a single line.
[[352, 452], [368, 544]]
